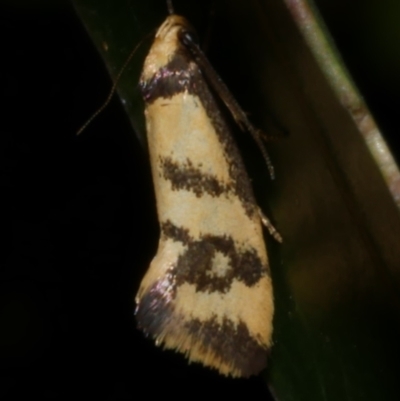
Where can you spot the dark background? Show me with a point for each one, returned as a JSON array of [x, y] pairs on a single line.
[[79, 218]]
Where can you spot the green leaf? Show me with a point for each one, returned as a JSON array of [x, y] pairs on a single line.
[[335, 198]]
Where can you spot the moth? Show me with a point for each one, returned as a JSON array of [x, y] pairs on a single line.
[[208, 291]]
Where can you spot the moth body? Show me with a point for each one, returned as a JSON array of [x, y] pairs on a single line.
[[208, 291]]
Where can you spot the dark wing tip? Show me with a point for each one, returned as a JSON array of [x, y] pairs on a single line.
[[217, 343]]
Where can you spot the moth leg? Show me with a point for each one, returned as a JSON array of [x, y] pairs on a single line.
[[267, 223]]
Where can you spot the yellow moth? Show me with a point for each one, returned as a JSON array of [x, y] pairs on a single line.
[[208, 291]]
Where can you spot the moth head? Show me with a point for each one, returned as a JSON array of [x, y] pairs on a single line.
[[167, 42]]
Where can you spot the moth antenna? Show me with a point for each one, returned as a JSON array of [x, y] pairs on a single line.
[[170, 7], [227, 97], [113, 88]]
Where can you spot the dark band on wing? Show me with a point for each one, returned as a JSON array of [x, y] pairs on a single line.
[[187, 177], [179, 75], [195, 264], [232, 345]]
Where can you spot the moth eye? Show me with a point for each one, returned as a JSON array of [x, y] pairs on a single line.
[[187, 37]]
